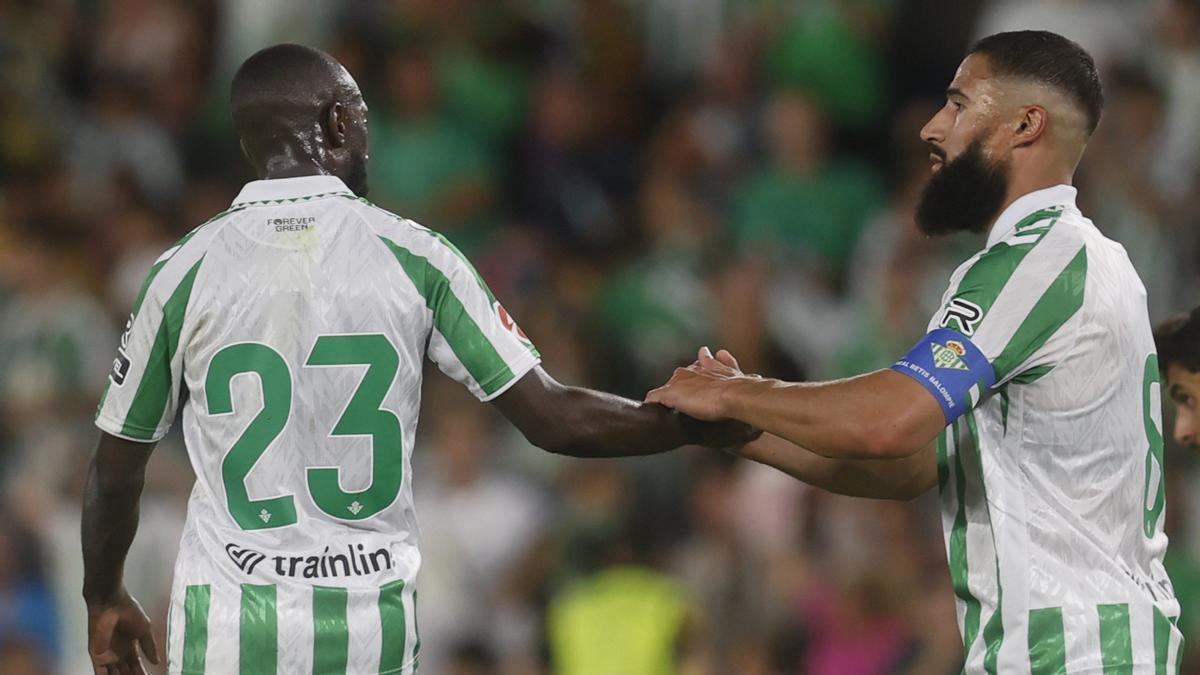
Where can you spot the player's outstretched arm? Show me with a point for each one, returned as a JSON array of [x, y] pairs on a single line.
[[110, 519], [900, 479], [587, 423], [881, 415]]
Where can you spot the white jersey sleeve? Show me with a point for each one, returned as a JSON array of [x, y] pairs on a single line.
[[144, 386], [473, 338], [1016, 300], [1007, 316]]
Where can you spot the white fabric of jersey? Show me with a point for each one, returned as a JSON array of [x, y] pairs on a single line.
[[290, 331], [1052, 485]]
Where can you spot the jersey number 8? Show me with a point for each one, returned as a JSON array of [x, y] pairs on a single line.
[[1155, 494], [362, 417]]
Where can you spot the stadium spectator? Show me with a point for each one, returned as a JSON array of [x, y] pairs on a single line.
[[1178, 341], [424, 166], [27, 612]]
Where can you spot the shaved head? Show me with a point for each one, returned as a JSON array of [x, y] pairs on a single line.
[[299, 112]]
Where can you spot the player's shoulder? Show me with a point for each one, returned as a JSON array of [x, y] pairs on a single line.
[[390, 226], [1040, 247], [183, 258], [1061, 225], [408, 237], [1044, 238]]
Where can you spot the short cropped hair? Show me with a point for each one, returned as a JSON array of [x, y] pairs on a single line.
[[1178, 342], [285, 71], [1051, 59]]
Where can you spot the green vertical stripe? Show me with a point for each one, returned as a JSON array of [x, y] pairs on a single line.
[[416, 628], [331, 637], [150, 401], [959, 572], [1004, 403], [987, 277], [1057, 305], [154, 270], [157, 267], [993, 635], [1116, 646], [1047, 643], [195, 628], [478, 277], [1033, 374], [394, 624], [943, 464], [258, 645], [1162, 641], [436, 235], [993, 631], [453, 249], [468, 342], [137, 306], [1173, 664]]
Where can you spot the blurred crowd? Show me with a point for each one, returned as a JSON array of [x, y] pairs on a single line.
[[634, 178]]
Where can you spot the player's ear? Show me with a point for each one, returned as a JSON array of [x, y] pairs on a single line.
[[335, 124], [1030, 125]]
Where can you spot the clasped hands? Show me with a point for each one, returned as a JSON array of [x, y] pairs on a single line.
[[704, 389]]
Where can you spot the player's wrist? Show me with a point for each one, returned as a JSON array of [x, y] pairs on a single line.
[[732, 394], [99, 596], [691, 430]]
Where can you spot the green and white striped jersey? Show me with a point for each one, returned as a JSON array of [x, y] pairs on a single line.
[[1052, 481], [291, 332]]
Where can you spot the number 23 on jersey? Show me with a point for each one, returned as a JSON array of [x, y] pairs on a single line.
[[363, 416]]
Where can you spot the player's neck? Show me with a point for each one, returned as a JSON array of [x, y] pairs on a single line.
[[291, 160], [292, 172], [1024, 182]]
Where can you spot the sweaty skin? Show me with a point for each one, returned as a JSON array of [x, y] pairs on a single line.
[[299, 113], [1033, 125]]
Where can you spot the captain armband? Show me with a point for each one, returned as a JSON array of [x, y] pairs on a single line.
[[952, 368]]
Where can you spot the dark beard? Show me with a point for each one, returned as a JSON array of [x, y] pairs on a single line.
[[965, 195]]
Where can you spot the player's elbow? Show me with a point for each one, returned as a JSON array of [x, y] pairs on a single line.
[[552, 439], [888, 439], [905, 492], [555, 433]]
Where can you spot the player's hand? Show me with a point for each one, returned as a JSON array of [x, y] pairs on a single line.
[[115, 631], [698, 390]]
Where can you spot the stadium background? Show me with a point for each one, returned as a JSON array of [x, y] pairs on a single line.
[[634, 178]]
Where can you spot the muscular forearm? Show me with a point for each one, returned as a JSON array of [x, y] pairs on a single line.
[[900, 479], [110, 514], [596, 424], [587, 423], [858, 418], [110, 521]]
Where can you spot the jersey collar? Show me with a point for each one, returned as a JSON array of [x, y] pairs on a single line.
[[281, 189], [1027, 204]]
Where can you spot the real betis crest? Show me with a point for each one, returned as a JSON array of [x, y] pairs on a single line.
[[949, 355]]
